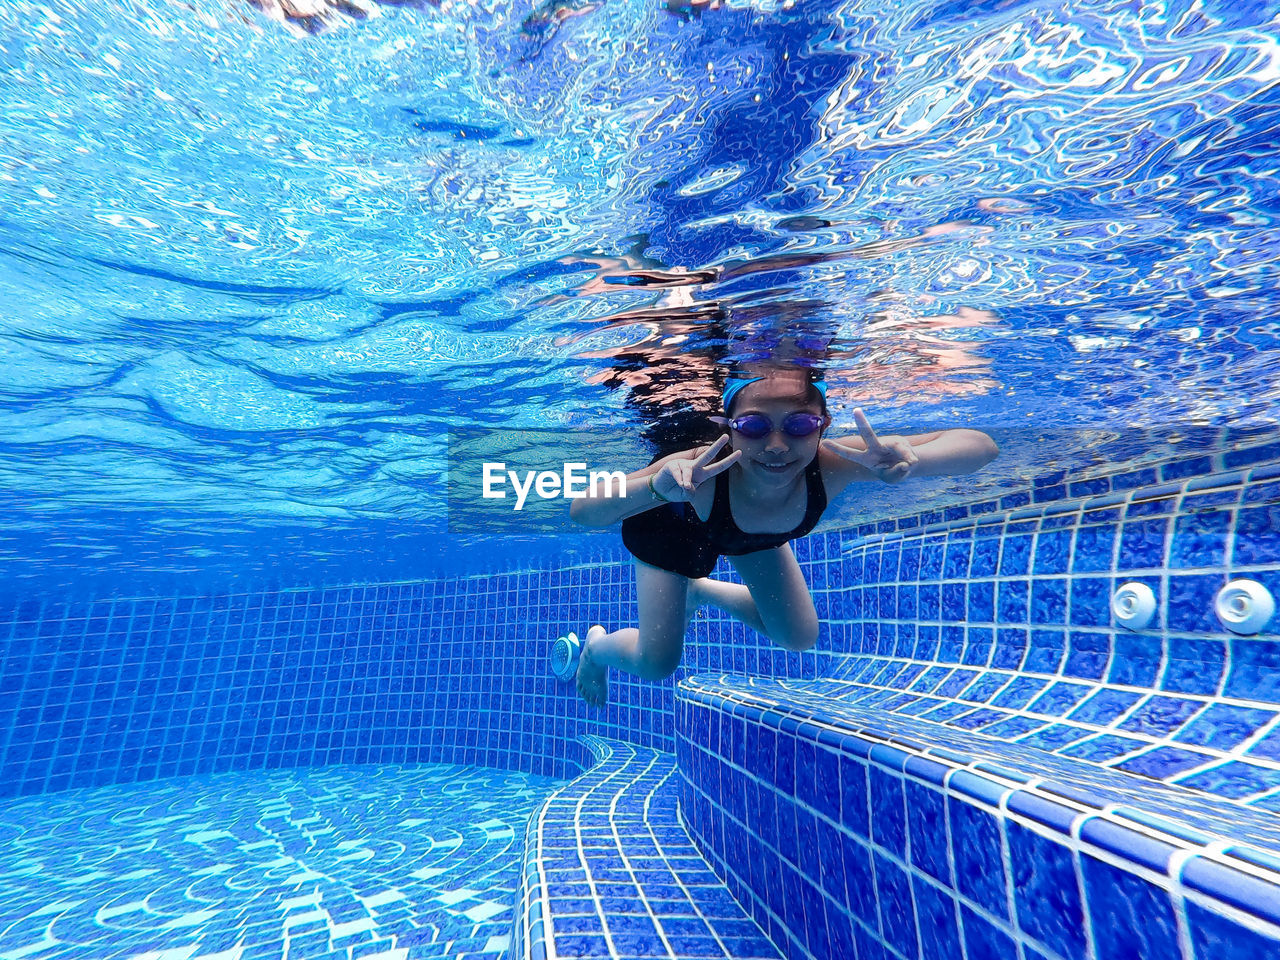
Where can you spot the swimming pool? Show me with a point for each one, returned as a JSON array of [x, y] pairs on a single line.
[[274, 675]]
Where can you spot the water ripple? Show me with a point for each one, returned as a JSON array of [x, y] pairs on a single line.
[[255, 268]]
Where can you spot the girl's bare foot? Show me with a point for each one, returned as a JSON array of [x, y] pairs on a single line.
[[593, 677]]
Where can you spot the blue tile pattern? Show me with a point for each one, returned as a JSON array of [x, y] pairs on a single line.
[[610, 872], [122, 690], [1033, 856], [393, 862]]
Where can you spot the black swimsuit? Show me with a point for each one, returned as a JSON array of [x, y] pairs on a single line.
[[672, 537]]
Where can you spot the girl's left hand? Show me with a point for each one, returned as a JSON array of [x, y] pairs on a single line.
[[891, 459]]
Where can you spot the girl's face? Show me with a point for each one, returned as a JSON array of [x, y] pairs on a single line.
[[777, 456]]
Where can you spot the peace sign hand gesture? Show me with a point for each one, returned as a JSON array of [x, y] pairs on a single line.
[[678, 480], [891, 459]]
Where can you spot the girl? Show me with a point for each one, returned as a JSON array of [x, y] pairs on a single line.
[[682, 512]]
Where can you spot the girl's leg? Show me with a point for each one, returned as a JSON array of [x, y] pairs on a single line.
[[651, 652], [775, 600], [733, 598]]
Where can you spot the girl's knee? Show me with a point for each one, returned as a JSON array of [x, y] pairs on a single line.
[[659, 658], [797, 637]]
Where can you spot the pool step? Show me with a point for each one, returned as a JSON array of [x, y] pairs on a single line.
[[611, 872], [850, 831]]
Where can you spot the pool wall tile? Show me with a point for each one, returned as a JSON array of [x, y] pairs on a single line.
[[1010, 593]]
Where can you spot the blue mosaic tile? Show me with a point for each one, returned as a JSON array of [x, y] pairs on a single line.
[[889, 825], [977, 719], [937, 917], [1090, 599], [926, 817], [1128, 843], [1052, 552], [1048, 601], [63, 738], [954, 607], [979, 643], [1200, 539], [619, 822], [1190, 606], [1054, 737], [1250, 455], [1161, 763], [1015, 555], [1142, 544], [1014, 727], [1104, 706], [1044, 811], [956, 682], [1256, 539], [1136, 661], [945, 712], [975, 847], [1130, 916], [984, 939], [1045, 891], [984, 687], [1233, 779], [951, 646], [1154, 501], [1267, 746], [1093, 549], [1088, 655], [1103, 748], [958, 552], [1160, 716], [896, 907], [1254, 673], [1058, 699], [1011, 647], [1020, 692], [1264, 487], [981, 601], [1195, 666], [1224, 726], [1046, 652]]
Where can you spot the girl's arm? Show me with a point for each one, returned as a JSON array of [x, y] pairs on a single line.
[[602, 511], [939, 454], [892, 459]]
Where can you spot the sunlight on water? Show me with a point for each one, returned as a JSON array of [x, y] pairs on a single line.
[[255, 268]]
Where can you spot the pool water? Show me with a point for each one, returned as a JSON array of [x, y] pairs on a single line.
[[346, 861], [270, 300]]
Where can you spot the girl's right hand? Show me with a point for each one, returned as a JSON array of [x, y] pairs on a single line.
[[679, 480]]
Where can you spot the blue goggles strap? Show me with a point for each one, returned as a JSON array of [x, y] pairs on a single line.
[[733, 386]]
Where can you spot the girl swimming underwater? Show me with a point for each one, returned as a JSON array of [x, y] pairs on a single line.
[[682, 512]]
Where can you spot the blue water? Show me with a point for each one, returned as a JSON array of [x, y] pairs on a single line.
[[252, 278]]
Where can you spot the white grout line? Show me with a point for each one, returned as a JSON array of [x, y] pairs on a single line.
[[626, 861]]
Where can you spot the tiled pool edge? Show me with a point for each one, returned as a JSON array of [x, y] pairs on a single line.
[[921, 849], [610, 872]]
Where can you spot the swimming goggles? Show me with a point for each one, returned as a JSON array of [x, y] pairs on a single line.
[[753, 426]]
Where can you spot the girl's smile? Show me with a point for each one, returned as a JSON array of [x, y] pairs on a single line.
[[780, 407]]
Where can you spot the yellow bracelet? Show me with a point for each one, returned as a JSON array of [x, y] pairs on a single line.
[[655, 490]]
